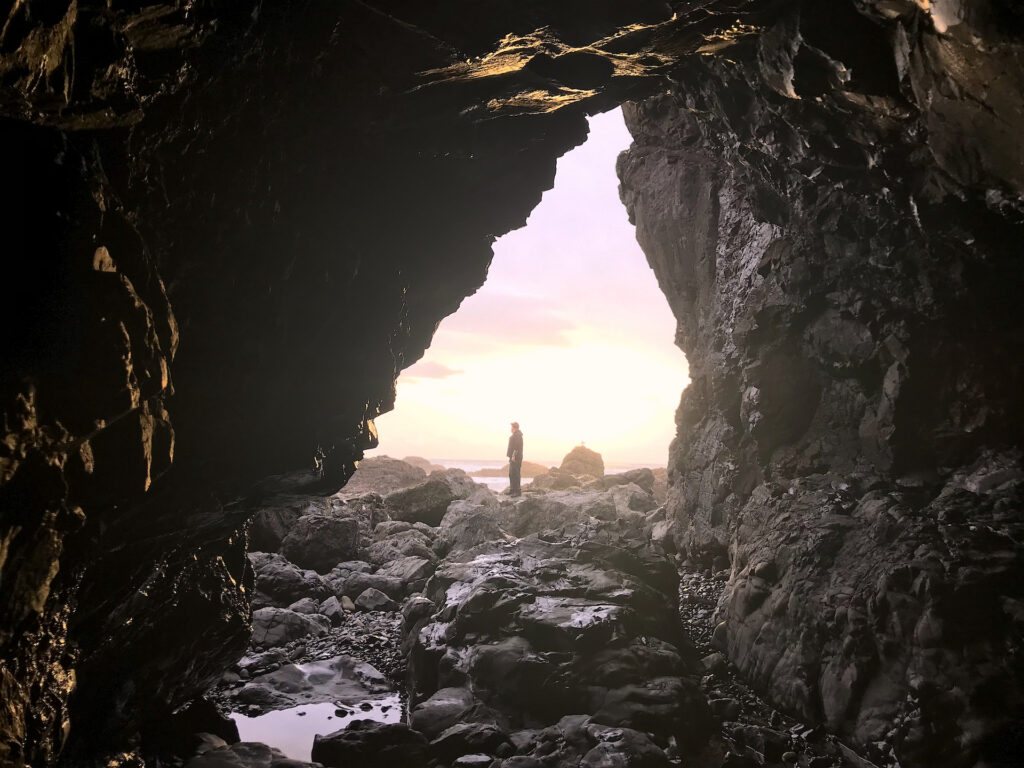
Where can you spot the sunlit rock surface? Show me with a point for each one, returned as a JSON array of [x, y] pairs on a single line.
[[235, 224], [842, 255]]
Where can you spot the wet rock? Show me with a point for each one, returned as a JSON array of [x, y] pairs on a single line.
[[788, 451], [272, 627], [371, 599], [714, 662], [443, 709], [357, 583], [391, 527], [370, 744], [468, 738], [306, 605], [469, 522], [271, 524], [280, 583], [518, 617], [643, 478], [245, 754], [342, 679], [410, 543], [473, 761], [576, 740], [428, 501], [320, 542], [412, 572], [554, 479], [333, 610]]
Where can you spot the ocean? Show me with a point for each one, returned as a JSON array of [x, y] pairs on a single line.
[[501, 483]]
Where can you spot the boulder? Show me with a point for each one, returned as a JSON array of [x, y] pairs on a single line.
[[412, 572], [306, 605], [374, 600], [280, 583], [411, 543], [578, 741], [428, 501], [357, 583], [424, 464], [383, 475], [340, 573], [470, 522], [390, 528], [445, 708], [270, 524], [644, 478], [583, 461], [320, 542], [272, 627], [554, 480], [245, 754], [467, 739], [368, 744], [333, 610]]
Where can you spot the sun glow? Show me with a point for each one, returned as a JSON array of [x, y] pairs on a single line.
[[570, 336]]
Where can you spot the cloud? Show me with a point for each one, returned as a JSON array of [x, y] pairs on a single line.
[[510, 319], [428, 369]]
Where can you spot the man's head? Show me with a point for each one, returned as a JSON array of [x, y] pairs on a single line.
[[515, 425]]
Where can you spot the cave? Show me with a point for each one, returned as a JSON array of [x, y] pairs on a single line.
[[236, 224]]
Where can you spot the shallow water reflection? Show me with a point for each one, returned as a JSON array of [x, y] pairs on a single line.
[[292, 730]]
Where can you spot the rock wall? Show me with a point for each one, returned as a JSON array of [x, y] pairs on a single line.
[[235, 224], [834, 213]]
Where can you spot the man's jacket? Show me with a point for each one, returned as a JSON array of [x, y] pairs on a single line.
[[515, 447]]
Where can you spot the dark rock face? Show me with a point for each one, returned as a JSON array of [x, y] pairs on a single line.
[[320, 542], [370, 744], [844, 267], [208, 285], [427, 502]]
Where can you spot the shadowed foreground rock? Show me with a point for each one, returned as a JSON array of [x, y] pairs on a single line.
[[576, 621]]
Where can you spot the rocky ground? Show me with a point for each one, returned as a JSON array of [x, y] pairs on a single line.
[[752, 732], [540, 632]]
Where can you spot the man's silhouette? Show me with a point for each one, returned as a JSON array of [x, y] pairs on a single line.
[[515, 459]]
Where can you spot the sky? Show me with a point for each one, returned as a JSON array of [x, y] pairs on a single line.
[[570, 336]]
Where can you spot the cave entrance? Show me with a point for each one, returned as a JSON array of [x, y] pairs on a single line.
[[570, 335]]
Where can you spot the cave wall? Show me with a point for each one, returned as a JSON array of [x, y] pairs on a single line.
[[834, 213], [235, 224]]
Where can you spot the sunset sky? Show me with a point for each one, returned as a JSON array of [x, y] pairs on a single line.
[[570, 336]]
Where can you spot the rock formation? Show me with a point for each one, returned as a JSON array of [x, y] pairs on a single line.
[[583, 461], [529, 469], [235, 224], [839, 255]]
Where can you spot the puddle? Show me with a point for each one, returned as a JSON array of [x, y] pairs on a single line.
[[292, 730]]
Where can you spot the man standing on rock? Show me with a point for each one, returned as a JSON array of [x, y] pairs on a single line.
[[515, 459]]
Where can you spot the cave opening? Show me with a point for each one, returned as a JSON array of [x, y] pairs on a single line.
[[569, 335]]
